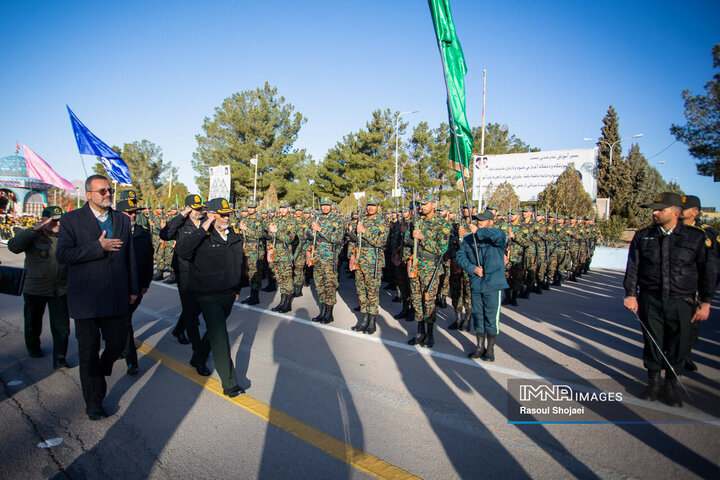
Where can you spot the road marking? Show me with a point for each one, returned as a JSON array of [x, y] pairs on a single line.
[[627, 399], [359, 459]]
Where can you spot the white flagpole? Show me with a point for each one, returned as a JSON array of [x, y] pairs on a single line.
[[482, 147]]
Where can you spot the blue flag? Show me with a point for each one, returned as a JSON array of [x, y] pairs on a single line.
[[89, 144]]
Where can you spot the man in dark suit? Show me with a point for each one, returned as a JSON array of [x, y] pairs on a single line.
[[95, 244], [144, 253]]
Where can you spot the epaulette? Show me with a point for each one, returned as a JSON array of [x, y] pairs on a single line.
[[697, 228]]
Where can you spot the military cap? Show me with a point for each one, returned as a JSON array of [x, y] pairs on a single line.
[[371, 200], [298, 207], [527, 208], [665, 200], [572, 217], [160, 207], [283, 203], [540, 213], [174, 206], [515, 211], [127, 194], [427, 198], [306, 210], [690, 201], [129, 205], [251, 203], [194, 201], [552, 215], [500, 213], [586, 217], [244, 209], [492, 206], [484, 215], [443, 207], [219, 205], [53, 212], [326, 201]]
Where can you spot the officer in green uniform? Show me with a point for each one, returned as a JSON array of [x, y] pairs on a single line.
[[431, 237], [282, 232], [530, 252], [216, 255], [326, 239], [300, 251], [252, 229], [45, 284], [370, 234]]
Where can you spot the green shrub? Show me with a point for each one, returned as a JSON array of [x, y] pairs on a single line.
[[611, 231]]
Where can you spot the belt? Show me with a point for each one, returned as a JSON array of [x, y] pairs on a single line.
[[428, 256]]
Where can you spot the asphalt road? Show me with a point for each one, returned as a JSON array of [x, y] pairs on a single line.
[[326, 402]]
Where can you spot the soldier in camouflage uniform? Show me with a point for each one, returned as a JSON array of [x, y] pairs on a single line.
[[326, 235], [170, 248], [544, 242], [252, 228], [282, 232], [397, 239], [519, 239], [299, 255], [444, 273], [459, 279], [370, 235], [554, 247], [431, 234], [157, 222], [573, 232], [530, 252]]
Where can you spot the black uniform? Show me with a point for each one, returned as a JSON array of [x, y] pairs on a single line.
[[215, 274], [144, 254], [665, 271]]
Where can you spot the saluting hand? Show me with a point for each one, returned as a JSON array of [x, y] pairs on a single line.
[[109, 244], [39, 226], [186, 211], [207, 224]]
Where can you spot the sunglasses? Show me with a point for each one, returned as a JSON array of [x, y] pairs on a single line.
[[104, 191]]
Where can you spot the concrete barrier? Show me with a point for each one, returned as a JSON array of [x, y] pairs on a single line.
[[610, 258]]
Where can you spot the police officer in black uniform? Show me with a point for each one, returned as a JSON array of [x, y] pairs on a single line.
[[216, 257], [668, 263]]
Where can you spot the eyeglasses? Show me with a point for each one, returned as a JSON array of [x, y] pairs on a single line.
[[104, 191]]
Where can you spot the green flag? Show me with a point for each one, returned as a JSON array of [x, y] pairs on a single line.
[[455, 70]]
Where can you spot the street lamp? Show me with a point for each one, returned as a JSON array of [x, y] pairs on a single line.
[[612, 145], [395, 192]]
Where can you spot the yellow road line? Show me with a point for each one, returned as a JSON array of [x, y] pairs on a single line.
[[327, 443]]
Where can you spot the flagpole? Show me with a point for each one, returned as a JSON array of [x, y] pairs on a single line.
[[457, 145], [83, 164], [482, 147]]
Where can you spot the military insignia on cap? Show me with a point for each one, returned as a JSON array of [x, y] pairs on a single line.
[[708, 243], [224, 203], [131, 194], [43, 253], [659, 198], [684, 198], [196, 199], [131, 203]]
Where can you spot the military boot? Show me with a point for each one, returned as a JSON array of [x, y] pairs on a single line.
[[404, 312], [411, 315], [298, 291], [458, 319], [513, 299], [690, 366], [480, 349], [489, 355], [467, 320], [287, 306], [323, 309], [254, 298], [537, 289], [420, 336], [653, 388], [545, 284], [508, 295], [441, 301], [429, 339], [370, 329], [271, 286], [280, 304], [362, 323], [328, 317], [171, 279], [158, 275], [669, 394], [524, 292], [557, 280]]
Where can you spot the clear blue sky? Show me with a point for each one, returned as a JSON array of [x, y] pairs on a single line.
[[154, 70]]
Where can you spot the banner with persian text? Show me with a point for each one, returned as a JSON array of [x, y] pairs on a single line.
[[529, 173]]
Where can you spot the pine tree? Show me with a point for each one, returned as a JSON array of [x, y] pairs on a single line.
[[566, 195], [610, 136], [503, 196]]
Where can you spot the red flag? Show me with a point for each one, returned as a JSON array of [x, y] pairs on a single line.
[[69, 206], [17, 147]]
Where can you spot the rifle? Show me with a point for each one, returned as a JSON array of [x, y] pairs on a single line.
[[356, 252], [414, 258], [311, 262], [437, 267]]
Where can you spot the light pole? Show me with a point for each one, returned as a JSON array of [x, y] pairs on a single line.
[[254, 161], [395, 192]]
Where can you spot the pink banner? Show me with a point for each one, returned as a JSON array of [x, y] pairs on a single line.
[[38, 168]]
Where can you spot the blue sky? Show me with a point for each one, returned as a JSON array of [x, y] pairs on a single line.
[[154, 70]]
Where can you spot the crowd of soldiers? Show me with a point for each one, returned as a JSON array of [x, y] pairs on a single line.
[[412, 249], [11, 224]]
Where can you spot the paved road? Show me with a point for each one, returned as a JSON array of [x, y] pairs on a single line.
[[326, 402]]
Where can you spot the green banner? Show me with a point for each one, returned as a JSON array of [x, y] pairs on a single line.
[[455, 70]]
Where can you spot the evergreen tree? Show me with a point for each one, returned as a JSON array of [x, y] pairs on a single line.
[[609, 136], [646, 184], [566, 195], [499, 140], [248, 124], [503, 196], [702, 132]]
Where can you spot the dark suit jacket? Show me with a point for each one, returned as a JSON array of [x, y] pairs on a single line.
[[99, 283]]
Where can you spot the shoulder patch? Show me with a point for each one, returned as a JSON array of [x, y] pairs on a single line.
[[525, 230], [708, 243], [446, 230]]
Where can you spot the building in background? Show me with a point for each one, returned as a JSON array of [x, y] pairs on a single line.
[[19, 193]]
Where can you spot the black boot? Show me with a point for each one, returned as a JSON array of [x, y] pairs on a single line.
[[420, 336], [370, 329], [653, 388], [280, 304], [362, 323], [489, 355], [508, 295], [458, 319], [328, 317], [158, 275], [396, 299], [690, 365], [356, 309], [538, 289], [271, 286], [524, 292], [480, 349], [404, 312], [669, 394], [298, 291], [287, 306], [441, 301], [557, 280], [513, 299], [411, 315], [323, 309], [171, 279], [429, 339], [253, 299], [545, 285], [466, 321]]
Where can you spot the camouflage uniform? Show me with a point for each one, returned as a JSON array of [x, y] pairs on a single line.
[[299, 257], [514, 269], [282, 264], [328, 242], [400, 275], [459, 280], [430, 250], [531, 253], [254, 247]]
